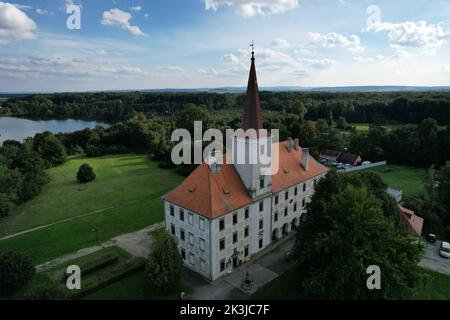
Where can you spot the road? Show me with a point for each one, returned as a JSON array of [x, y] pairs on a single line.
[[431, 259]]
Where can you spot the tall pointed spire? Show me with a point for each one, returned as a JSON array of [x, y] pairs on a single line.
[[252, 113]]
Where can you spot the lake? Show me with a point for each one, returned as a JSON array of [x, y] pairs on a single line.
[[18, 128]]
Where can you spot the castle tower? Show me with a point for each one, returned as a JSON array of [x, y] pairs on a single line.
[[249, 143]]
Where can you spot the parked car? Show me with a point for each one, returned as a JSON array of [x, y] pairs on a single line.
[[366, 163], [431, 238], [444, 250]]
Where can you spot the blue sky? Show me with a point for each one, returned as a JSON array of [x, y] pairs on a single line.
[[143, 44]]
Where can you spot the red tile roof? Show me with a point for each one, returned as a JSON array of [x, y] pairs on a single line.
[[291, 172], [215, 194], [414, 222]]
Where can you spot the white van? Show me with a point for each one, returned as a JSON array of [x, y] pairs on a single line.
[[444, 250]]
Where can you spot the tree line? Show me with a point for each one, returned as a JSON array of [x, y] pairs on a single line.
[[363, 107]]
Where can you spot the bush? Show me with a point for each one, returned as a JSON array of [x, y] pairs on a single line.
[[46, 292], [164, 265], [16, 270], [94, 265], [86, 173]]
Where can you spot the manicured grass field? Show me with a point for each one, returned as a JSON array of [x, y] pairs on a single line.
[[128, 190], [411, 180], [286, 287]]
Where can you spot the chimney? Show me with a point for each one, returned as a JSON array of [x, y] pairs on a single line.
[[305, 158], [289, 144], [296, 144]]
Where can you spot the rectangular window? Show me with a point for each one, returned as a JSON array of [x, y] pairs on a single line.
[[235, 218], [315, 183], [286, 195], [261, 224], [295, 207], [246, 232], [246, 251], [222, 244], [181, 214], [296, 191], [172, 210], [303, 203], [202, 223], [183, 254], [172, 229], [261, 243], [261, 206], [191, 218], [221, 224], [304, 187], [246, 213], [261, 183], [181, 234], [202, 266], [235, 237], [276, 199], [222, 265], [202, 244], [285, 212], [191, 239], [275, 216], [191, 259]]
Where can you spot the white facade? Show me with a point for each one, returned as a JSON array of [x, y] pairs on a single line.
[[212, 247]]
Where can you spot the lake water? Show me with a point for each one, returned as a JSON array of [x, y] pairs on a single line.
[[18, 128]]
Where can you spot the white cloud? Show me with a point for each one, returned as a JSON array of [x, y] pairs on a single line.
[[413, 35], [136, 8], [208, 73], [117, 17], [251, 8], [65, 67], [171, 68], [146, 15], [41, 11], [331, 40], [318, 63], [101, 52], [280, 43], [15, 24], [22, 6]]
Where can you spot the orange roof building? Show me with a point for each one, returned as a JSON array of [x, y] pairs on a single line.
[[224, 214], [414, 223]]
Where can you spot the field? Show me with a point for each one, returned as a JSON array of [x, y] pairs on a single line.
[[125, 197], [411, 180], [285, 287]]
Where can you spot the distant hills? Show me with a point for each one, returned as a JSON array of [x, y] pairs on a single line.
[[278, 89]]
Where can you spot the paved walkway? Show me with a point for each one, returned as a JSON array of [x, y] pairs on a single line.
[[264, 267], [433, 261], [136, 243]]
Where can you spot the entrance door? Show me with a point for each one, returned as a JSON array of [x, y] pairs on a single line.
[[235, 262]]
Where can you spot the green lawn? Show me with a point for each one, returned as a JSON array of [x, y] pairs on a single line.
[[286, 287], [128, 188], [411, 180]]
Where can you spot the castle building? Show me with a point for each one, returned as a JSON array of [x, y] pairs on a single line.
[[222, 215]]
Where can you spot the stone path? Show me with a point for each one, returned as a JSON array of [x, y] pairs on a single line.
[[54, 223], [136, 243], [264, 268]]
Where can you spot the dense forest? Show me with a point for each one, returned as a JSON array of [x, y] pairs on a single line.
[[394, 107]]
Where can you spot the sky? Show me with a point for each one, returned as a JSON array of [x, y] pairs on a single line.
[[153, 44]]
